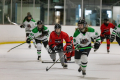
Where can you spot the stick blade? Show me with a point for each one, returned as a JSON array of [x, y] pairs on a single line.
[[10, 20], [8, 51], [47, 69]]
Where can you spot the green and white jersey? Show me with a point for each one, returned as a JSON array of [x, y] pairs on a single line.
[[85, 39], [116, 31], [36, 34], [29, 25]]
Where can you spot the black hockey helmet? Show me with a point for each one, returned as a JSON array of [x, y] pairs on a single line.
[[40, 25], [57, 26], [29, 16], [105, 21], [39, 22], [82, 21]]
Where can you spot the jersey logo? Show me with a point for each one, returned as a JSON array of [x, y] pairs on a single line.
[[96, 33], [106, 30], [84, 41], [58, 40], [29, 26], [31, 34]]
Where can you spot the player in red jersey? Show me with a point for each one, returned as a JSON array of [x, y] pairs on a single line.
[[56, 44], [70, 54], [105, 32]]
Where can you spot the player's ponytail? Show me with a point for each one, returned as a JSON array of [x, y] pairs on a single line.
[[86, 28]]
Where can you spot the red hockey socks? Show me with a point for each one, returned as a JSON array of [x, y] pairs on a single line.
[[108, 44]]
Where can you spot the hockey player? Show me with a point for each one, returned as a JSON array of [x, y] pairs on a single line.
[[26, 16], [105, 32], [40, 34], [70, 54], [82, 39], [29, 24], [56, 44], [116, 33]]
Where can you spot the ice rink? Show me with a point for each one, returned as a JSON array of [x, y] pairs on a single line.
[[21, 64]]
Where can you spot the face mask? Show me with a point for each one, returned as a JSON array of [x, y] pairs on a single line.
[[57, 32], [28, 20], [82, 30], [106, 24], [39, 29]]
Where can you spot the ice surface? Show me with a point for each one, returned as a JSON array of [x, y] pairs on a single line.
[[21, 64]]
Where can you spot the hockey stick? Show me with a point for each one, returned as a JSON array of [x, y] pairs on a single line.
[[11, 22], [19, 45], [63, 56], [54, 63], [16, 46], [84, 48]]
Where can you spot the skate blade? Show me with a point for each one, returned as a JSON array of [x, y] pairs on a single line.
[[95, 50], [40, 60], [83, 76], [65, 68]]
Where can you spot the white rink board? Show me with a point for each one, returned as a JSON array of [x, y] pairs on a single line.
[[11, 33]]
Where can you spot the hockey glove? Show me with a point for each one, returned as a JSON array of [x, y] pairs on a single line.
[[44, 33], [55, 48], [28, 40], [77, 46], [112, 38], [49, 51], [96, 45], [69, 49], [21, 26], [41, 36]]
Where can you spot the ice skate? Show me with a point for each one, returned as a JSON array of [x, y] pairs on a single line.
[[108, 51], [64, 65], [79, 70], [29, 46], [83, 73], [39, 58]]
